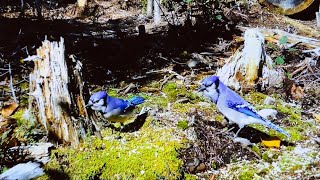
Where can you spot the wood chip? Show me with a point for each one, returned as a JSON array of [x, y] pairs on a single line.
[[8, 110]]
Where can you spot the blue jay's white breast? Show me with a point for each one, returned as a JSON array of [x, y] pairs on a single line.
[[97, 107]]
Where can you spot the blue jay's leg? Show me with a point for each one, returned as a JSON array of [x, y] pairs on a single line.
[[236, 135]]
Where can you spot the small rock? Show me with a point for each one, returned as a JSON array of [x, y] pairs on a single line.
[[268, 113], [192, 63], [317, 140], [205, 104], [243, 141], [269, 100], [224, 122]]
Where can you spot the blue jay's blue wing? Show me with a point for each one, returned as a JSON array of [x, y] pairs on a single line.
[[245, 108], [116, 103], [131, 103]]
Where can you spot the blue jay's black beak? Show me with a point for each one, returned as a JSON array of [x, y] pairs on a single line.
[[202, 88], [88, 105]]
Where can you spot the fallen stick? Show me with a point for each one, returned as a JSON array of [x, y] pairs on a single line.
[[274, 35]]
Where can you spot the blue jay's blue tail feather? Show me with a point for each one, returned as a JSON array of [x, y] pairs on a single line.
[[277, 128], [135, 101]]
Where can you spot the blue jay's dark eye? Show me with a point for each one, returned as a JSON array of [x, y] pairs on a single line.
[[208, 83]]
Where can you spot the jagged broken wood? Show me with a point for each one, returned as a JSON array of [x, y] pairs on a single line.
[[39, 152], [28, 170], [56, 94], [246, 66]]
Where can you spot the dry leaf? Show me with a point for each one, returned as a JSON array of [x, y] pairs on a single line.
[[9, 109], [317, 116], [297, 92], [271, 143]]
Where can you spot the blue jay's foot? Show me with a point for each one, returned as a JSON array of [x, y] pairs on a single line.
[[144, 110]]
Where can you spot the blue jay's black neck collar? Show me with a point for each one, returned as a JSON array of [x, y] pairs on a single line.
[[217, 83]]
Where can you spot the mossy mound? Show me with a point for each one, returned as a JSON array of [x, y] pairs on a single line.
[[149, 153], [289, 117]]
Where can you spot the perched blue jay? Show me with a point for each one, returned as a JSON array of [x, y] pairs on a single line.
[[231, 105], [113, 109]]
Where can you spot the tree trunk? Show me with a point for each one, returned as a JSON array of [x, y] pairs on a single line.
[[149, 8], [156, 13], [57, 94]]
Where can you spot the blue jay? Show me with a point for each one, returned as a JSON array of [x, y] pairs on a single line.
[[113, 109], [231, 105]]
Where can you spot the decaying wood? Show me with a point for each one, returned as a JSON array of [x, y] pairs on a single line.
[[301, 27], [242, 70], [56, 94], [28, 170], [39, 152], [274, 35]]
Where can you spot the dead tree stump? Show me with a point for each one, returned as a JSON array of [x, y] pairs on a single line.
[[56, 94], [243, 69]]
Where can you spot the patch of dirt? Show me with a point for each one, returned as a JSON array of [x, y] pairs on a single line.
[[213, 148]]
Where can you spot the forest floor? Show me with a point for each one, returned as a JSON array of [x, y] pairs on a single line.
[[184, 136]]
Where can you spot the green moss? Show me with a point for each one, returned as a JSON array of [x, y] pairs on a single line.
[[255, 97], [24, 86], [149, 153], [219, 118], [173, 91], [190, 177], [256, 149], [246, 174], [25, 127], [296, 127], [183, 124], [113, 93], [156, 100]]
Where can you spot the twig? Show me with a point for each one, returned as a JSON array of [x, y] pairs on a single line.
[[127, 88], [4, 74], [315, 51], [166, 80], [11, 85]]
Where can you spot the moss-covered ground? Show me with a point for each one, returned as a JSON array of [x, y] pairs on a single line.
[[152, 152]]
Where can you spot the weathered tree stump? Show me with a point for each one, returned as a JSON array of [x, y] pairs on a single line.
[[246, 67], [56, 94]]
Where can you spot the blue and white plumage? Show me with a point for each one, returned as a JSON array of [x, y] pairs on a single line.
[[231, 105], [113, 109]]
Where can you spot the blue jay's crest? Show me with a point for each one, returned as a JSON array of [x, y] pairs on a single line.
[[98, 95], [135, 101], [210, 80], [97, 100]]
